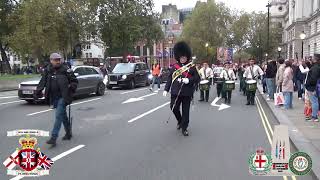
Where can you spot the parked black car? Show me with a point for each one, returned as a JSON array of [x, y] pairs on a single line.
[[129, 75], [90, 79]]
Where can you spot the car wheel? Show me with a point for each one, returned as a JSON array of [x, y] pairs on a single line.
[[109, 87], [100, 89], [132, 84]]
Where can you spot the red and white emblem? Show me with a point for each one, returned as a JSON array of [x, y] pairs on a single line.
[[260, 161], [28, 159]]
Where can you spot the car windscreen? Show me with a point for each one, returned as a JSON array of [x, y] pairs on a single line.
[[123, 68]]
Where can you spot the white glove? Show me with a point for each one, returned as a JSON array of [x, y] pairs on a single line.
[[165, 93], [179, 80], [185, 80]]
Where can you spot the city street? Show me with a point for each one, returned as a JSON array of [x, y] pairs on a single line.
[[116, 137]]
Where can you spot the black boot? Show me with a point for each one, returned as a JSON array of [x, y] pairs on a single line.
[[52, 141], [185, 132], [68, 135], [248, 103], [178, 126]]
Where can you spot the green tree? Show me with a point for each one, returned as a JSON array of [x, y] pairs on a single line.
[[208, 23], [6, 29], [56, 25], [123, 23]]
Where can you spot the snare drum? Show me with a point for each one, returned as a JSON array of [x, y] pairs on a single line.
[[204, 85], [229, 85], [251, 85]]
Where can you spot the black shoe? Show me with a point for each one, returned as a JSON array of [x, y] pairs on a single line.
[[178, 127], [68, 136], [185, 132], [248, 103], [52, 141], [207, 100], [201, 100]]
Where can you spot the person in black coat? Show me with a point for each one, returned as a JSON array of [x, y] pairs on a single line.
[[182, 88], [60, 84], [270, 75]]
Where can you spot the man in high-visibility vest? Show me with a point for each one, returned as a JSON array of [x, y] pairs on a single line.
[[156, 73]]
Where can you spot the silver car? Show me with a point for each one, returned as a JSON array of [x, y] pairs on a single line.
[[91, 80]]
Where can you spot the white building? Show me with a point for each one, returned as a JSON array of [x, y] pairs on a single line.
[[298, 17], [93, 48]]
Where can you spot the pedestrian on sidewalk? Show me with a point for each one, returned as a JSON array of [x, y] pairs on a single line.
[[300, 77], [156, 74], [287, 85], [60, 84], [252, 73], [227, 75], [182, 86], [206, 75], [271, 73], [311, 84], [279, 75], [263, 77]]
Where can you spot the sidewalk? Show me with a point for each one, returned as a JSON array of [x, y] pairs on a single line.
[[304, 135]]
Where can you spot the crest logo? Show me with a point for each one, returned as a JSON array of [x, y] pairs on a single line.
[[260, 163], [31, 161]]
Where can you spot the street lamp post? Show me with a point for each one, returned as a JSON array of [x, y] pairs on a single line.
[[207, 45], [279, 51], [268, 35], [267, 57], [302, 37]]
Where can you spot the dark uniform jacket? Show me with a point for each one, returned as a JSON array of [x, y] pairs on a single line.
[[66, 82], [187, 89], [313, 76]]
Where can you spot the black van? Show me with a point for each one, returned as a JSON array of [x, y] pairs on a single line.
[[129, 75]]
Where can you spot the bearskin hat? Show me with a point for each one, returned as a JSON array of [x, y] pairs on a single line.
[[182, 49]]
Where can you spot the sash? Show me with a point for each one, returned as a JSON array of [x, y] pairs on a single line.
[[181, 71]]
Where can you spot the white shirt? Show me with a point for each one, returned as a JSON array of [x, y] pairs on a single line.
[[303, 70], [231, 74], [256, 70], [206, 75]]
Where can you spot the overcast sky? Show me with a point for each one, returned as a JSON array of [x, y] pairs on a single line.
[[246, 5]]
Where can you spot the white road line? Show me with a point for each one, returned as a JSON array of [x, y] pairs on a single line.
[[133, 91], [7, 97], [56, 158], [39, 112], [10, 102], [149, 112]]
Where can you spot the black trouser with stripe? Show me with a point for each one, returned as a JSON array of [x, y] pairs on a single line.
[[250, 97], [183, 119], [219, 89]]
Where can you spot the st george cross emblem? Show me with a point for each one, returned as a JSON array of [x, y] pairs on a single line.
[[260, 163]]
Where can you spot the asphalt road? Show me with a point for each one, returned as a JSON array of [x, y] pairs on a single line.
[[132, 141]]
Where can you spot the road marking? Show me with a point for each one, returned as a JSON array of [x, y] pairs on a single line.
[[149, 112], [56, 158], [221, 106], [137, 99], [10, 102], [133, 91], [7, 97], [265, 120], [39, 112]]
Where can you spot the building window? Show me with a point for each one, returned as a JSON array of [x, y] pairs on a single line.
[[309, 49], [90, 55], [315, 48], [87, 55], [88, 37], [316, 27], [88, 46]]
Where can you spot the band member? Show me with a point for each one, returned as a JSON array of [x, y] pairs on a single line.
[[251, 75], [182, 84], [206, 75], [219, 81], [228, 75]]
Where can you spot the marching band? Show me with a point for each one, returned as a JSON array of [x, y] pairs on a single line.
[[185, 78]]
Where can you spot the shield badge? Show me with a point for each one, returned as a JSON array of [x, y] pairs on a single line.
[[28, 159]]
